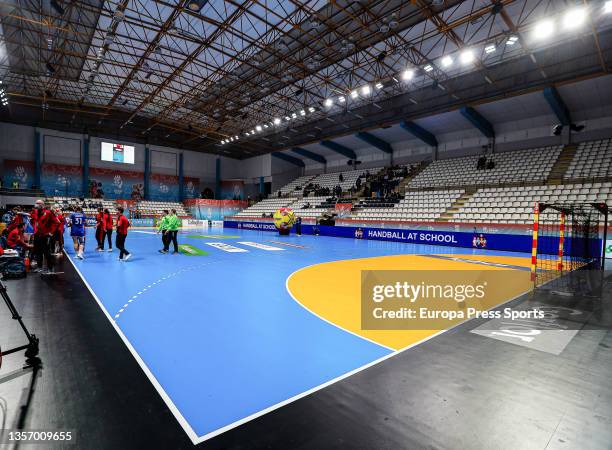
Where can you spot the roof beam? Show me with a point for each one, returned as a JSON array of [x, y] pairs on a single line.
[[375, 141], [310, 155], [556, 103], [288, 158], [338, 148], [479, 122], [419, 132]]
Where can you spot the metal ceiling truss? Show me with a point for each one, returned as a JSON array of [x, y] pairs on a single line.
[[257, 73]]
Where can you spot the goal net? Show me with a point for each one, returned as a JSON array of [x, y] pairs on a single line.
[[566, 237]]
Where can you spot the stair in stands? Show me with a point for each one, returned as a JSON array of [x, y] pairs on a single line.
[[562, 164], [419, 168], [447, 216], [364, 183]]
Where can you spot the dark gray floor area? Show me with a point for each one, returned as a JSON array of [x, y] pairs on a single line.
[[456, 391]]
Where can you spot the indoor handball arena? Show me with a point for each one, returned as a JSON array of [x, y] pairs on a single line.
[[306, 224]]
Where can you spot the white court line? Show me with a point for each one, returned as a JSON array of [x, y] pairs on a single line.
[[261, 246]]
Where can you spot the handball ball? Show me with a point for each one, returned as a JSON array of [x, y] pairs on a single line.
[[284, 218]]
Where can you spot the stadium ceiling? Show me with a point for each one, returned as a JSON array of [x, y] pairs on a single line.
[[241, 78]]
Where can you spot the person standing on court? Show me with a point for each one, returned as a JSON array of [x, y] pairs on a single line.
[[100, 230], [122, 230], [39, 238], [48, 226], [77, 222], [108, 227], [298, 226], [163, 229], [174, 223]]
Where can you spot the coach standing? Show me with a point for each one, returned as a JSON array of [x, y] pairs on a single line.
[[122, 230], [39, 238]]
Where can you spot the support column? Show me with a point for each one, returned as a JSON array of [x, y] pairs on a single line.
[[37, 159], [85, 187], [147, 174], [181, 179], [261, 185], [218, 179]]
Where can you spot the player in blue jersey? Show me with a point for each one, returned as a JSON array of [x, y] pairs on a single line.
[[77, 222]]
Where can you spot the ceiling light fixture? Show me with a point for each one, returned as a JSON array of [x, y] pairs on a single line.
[[354, 94], [407, 74], [447, 61], [328, 103], [277, 121], [574, 18], [365, 90], [341, 99], [490, 49], [544, 29], [196, 5], [467, 56], [379, 85], [608, 7], [258, 128], [428, 68]]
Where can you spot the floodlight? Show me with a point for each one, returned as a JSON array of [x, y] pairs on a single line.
[[544, 29], [447, 61], [467, 56], [407, 74], [574, 18]]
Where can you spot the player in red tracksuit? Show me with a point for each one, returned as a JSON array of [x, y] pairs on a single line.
[[39, 239], [16, 241], [47, 227], [100, 229], [59, 235], [108, 226], [122, 230], [17, 219]]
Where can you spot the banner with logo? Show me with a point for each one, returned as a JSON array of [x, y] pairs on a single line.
[[61, 180], [232, 190], [205, 209], [608, 249], [110, 183], [166, 187], [20, 172], [492, 241], [343, 209]]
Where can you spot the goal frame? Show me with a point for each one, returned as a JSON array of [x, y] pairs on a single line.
[[562, 257]]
